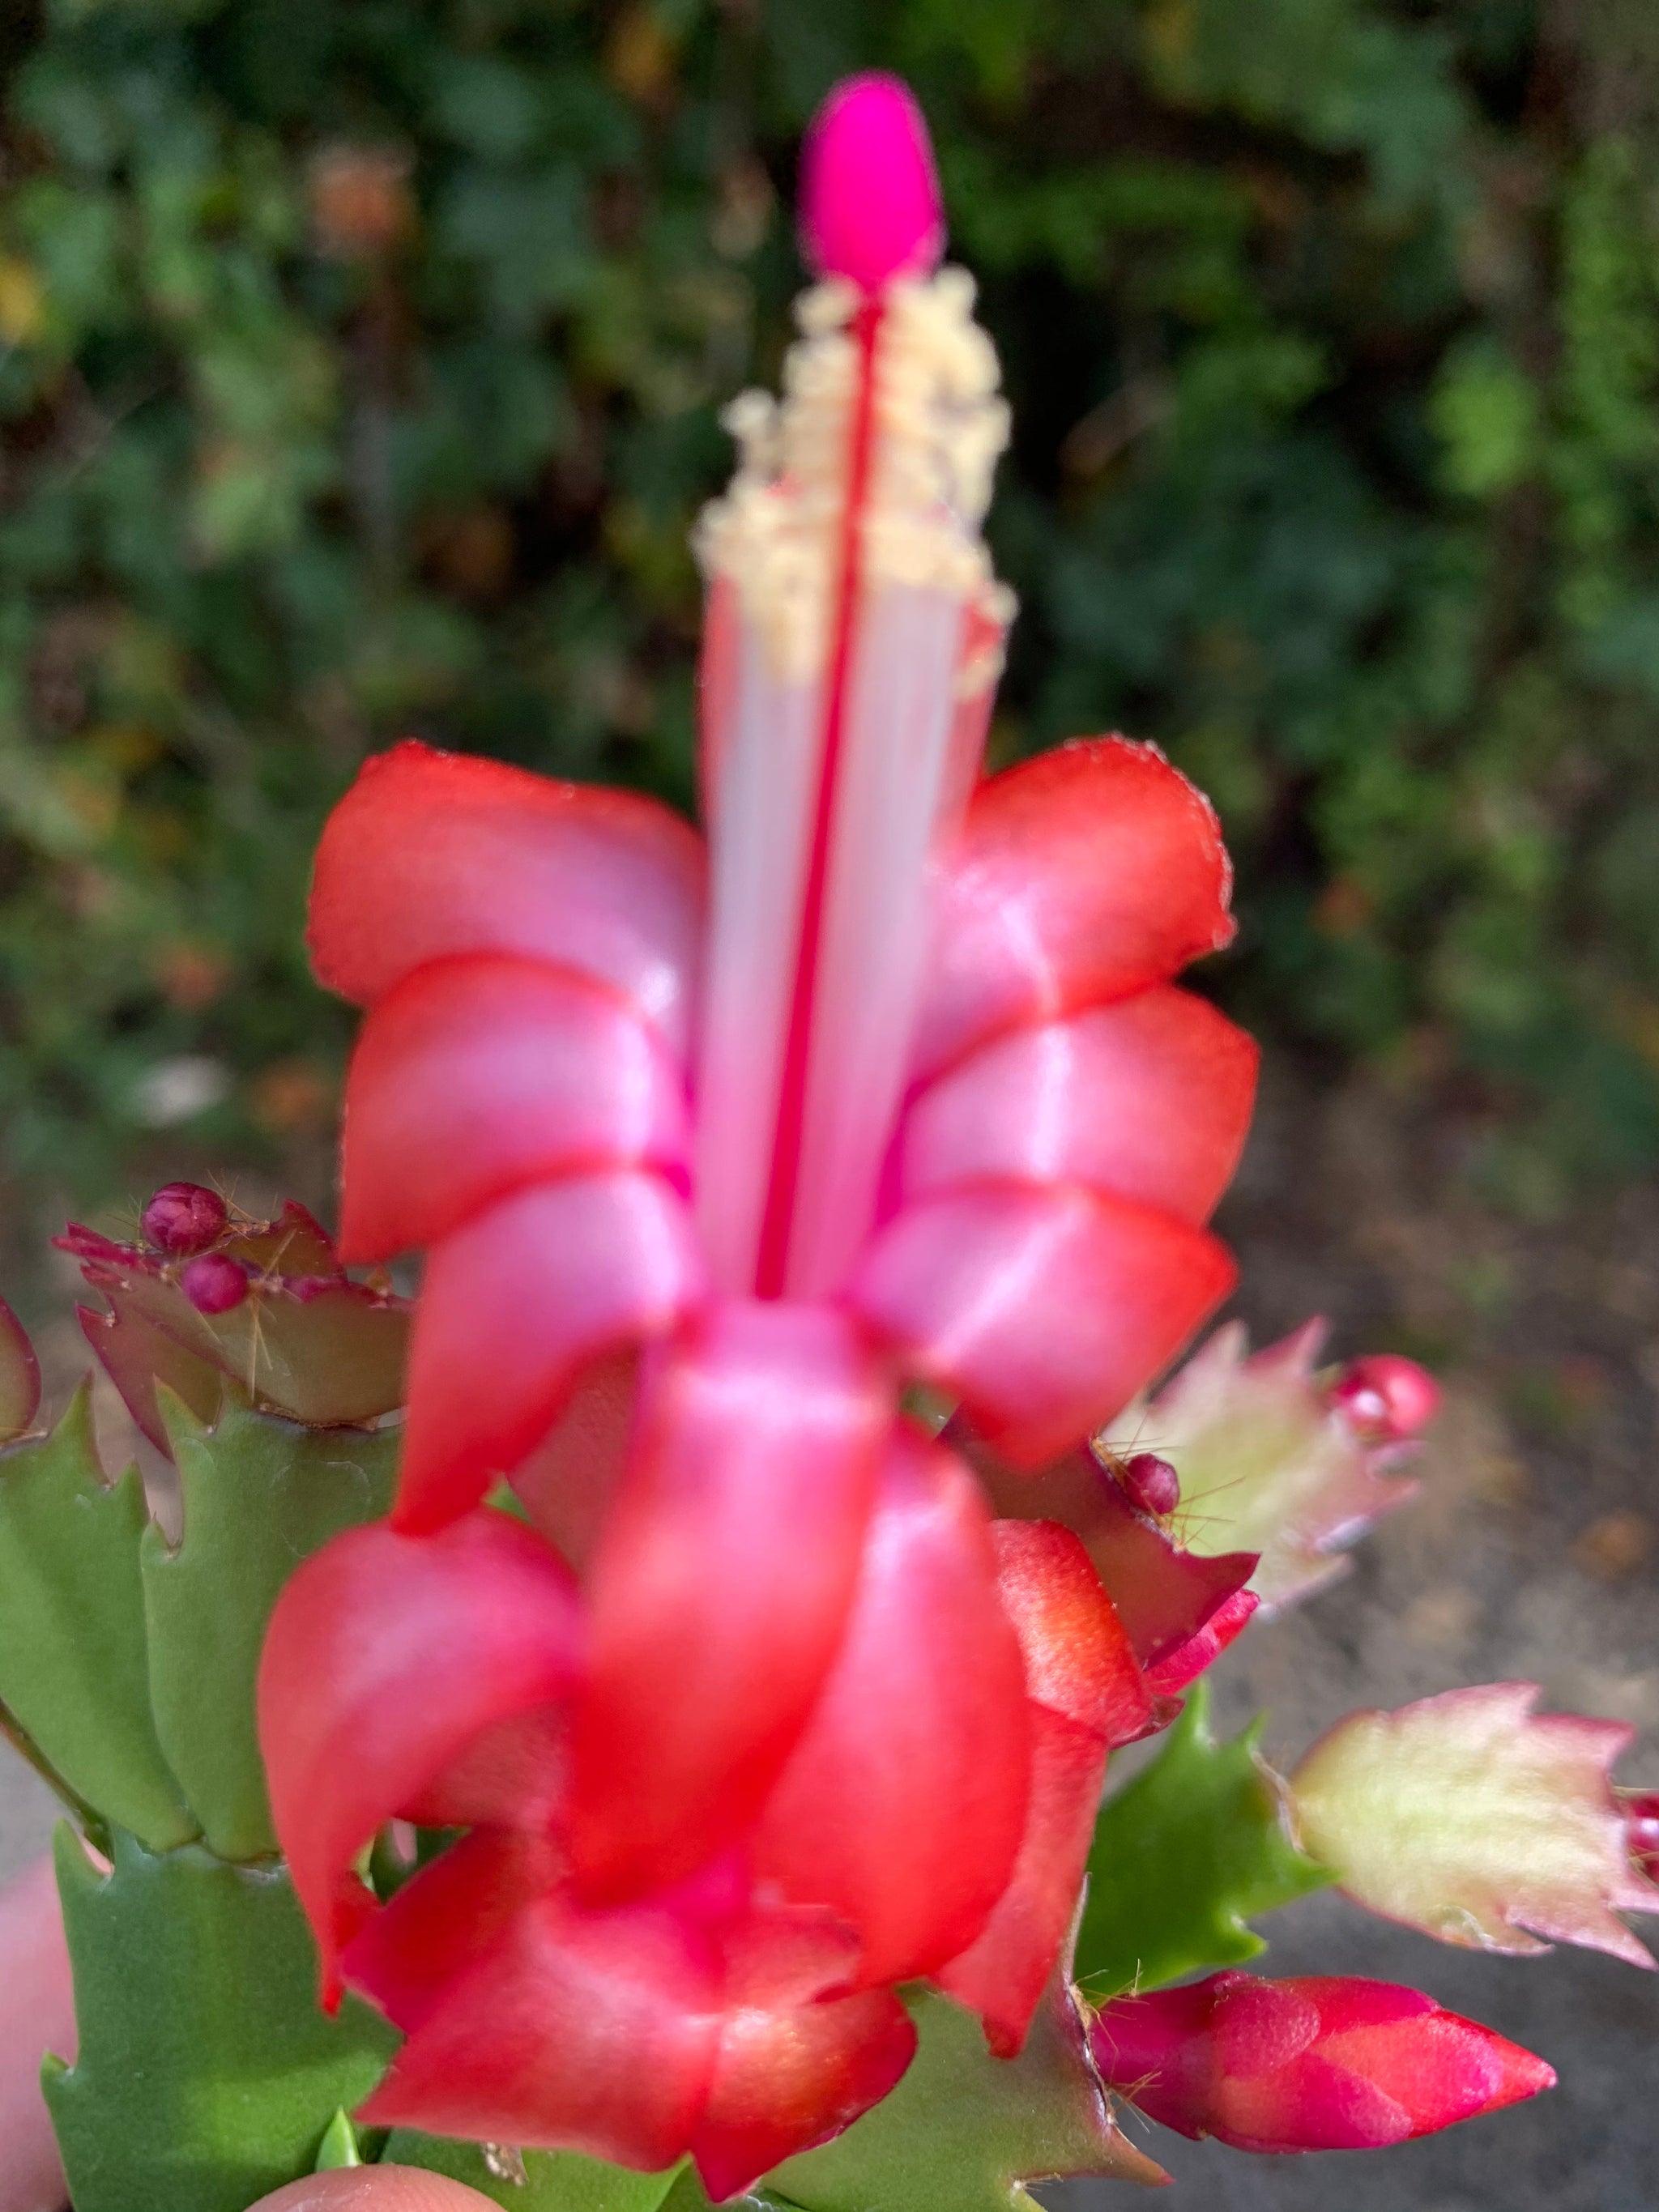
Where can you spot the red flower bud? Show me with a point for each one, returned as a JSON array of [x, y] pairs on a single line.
[[1642, 1830], [184, 1218], [1314, 2063], [1150, 1483], [214, 1283], [1386, 1398]]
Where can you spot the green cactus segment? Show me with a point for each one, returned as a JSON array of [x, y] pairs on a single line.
[[260, 1494], [554, 2181], [206, 2075], [963, 2131], [72, 1634], [1194, 1848]]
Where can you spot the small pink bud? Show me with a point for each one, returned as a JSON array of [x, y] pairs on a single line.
[[1314, 2063], [1150, 1483], [1386, 1398], [870, 209], [1642, 1830], [214, 1283], [184, 1218]]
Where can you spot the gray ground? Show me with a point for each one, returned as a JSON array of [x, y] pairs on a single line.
[[1533, 1553]]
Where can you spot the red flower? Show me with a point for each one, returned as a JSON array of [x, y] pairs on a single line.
[[931, 1819], [1316, 2062], [713, 1149]]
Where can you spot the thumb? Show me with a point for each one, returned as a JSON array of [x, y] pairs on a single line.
[[37, 2014], [375, 2188]]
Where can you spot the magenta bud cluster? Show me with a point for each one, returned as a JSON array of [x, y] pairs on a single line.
[[1386, 1398], [214, 1283], [1150, 1483], [182, 1218]]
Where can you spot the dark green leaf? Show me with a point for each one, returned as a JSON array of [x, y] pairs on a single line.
[[554, 2181], [1192, 1849], [72, 1638], [963, 2130], [260, 1494], [206, 2074]]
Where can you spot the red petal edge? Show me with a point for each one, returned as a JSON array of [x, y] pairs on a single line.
[[385, 1656], [1080, 877]]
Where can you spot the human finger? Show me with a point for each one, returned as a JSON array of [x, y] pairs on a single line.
[[375, 2188], [37, 2015]]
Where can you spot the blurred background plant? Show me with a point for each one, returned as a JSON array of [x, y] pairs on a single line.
[[359, 369]]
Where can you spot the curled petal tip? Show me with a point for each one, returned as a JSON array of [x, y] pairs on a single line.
[[870, 209]]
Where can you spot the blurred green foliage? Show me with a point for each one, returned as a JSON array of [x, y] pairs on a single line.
[[359, 369]]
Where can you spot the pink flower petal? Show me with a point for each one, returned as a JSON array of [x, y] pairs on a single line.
[[1312, 2103], [447, 1917], [512, 1774], [791, 2077], [432, 853], [904, 1804], [567, 1484], [1045, 1308], [476, 1075], [1079, 1662], [594, 2032], [1081, 877], [1086, 1694], [527, 1295], [1002, 1974], [1184, 1665], [1149, 1099], [386, 1655], [721, 1586]]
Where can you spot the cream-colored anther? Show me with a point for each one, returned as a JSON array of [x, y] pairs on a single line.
[[940, 427]]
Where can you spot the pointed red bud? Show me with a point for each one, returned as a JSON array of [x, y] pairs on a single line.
[[184, 1218], [1150, 1484], [870, 197], [1315, 2062], [1386, 1398], [215, 1283]]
